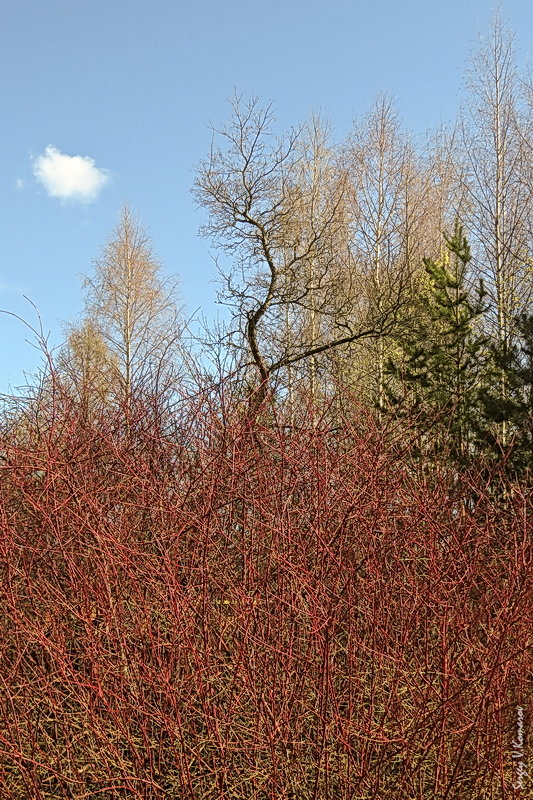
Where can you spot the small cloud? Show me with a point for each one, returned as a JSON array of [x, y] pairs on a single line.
[[12, 287], [20, 183], [69, 177]]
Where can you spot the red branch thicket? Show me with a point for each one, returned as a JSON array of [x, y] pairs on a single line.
[[257, 612]]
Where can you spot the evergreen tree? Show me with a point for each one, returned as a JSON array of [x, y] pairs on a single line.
[[435, 377], [515, 362]]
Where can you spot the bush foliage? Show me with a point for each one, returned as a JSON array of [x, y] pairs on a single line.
[[238, 610]]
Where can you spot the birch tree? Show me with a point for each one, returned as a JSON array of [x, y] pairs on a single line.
[[389, 199], [497, 182], [279, 226]]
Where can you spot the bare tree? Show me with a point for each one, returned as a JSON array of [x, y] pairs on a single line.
[[497, 181], [390, 191], [277, 210], [88, 367], [132, 308]]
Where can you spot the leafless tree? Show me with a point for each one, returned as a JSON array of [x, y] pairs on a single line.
[[132, 308], [276, 210], [390, 193], [497, 138], [88, 367]]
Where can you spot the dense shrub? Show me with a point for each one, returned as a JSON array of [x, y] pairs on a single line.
[[226, 611]]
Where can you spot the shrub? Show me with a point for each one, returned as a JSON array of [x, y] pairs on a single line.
[[218, 610]]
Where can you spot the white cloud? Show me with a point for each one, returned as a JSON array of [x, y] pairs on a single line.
[[20, 183], [69, 177], [12, 287]]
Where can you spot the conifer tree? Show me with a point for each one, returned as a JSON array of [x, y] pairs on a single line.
[[88, 366], [133, 309], [515, 362], [437, 371]]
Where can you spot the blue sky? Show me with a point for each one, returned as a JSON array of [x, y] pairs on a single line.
[[131, 86]]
